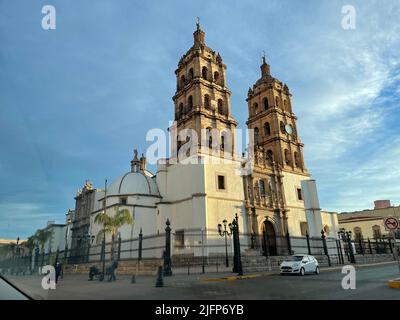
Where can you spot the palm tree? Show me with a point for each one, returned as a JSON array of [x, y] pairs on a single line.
[[41, 237], [112, 224]]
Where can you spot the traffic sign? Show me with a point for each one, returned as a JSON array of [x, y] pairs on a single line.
[[391, 223]]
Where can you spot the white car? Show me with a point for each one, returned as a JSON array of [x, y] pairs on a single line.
[[300, 264]]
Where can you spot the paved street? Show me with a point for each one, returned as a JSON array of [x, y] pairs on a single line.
[[371, 284]]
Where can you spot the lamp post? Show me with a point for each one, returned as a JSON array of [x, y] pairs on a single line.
[[202, 251], [346, 236], [225, 233], [237, 265]]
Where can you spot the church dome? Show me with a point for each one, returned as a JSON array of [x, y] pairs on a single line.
[[137, 181]]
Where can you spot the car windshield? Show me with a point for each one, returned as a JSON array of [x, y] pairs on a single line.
[[294, 258]]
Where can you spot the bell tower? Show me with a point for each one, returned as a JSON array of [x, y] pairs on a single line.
[[202, 98], [274, 123]]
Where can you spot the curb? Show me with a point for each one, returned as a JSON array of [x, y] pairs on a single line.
[[233, 278], [263, 274]]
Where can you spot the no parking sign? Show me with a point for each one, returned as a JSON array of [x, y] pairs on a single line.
[[391, 223]]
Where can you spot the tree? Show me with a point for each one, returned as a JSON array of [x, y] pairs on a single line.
[[8, 249], [41, 237], [112, 224]]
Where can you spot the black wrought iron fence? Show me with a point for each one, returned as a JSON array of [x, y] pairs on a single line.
[[197, 249]]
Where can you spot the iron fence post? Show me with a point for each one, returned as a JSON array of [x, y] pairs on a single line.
[[167, 255], [323, 237], [308, 243], [360, 242], [289, 246], [140, 245], [369, 246]]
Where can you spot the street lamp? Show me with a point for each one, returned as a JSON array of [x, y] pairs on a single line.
[[225, 233]]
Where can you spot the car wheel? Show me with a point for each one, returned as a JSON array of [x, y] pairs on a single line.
[[317, 270], [302, 272]]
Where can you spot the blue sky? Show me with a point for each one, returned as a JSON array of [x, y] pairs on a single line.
[[75, 101]]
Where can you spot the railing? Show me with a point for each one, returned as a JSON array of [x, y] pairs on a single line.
[[198, 250]]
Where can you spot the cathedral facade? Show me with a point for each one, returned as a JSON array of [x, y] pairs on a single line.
[[196, 196]]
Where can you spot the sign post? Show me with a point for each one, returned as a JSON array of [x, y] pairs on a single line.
[[392, 224]]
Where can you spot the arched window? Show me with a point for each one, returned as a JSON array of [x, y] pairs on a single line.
[[204, 72], [255, 108], [216, 76], [222, 141], [191, 76], [265, 103], [296, 159], [256, 135], [270, 155], [277, 102], [209, 138], [285, 105], [376, 231], [190, 102], [287, 157], [282, 126], [262, 187], [267, 129], [207, 101], [180, 109], [357, 233], [220, 106], [183, 81]]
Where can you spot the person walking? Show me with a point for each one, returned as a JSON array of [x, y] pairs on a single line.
[[58, 270]]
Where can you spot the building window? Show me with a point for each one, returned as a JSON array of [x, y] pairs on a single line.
[[265, 104], [296, 159], [204, 73], [255, 107], [267, 129], [190, 73], [357, 234], [376, 231], [262, 188], [304, 228], [282, 126], [270, 155], [256, 135], [220, 106], [183, 81], [190, 102], [277, 102], [222, 142], [299, 194], [288, 159], [221, 182], [216, 76], [180, 110], [179, 238], [123, 201], [207, 101]]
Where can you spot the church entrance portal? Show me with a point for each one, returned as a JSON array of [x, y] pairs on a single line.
[[269, 239]]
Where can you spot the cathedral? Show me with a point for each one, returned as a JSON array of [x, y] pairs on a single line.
[[275, 198]]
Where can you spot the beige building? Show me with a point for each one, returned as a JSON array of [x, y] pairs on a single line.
[[368, 223]]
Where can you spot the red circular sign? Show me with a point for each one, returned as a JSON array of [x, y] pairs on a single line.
[[391, 223]]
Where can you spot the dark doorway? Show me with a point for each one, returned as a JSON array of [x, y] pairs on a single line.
[[269, 239]]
